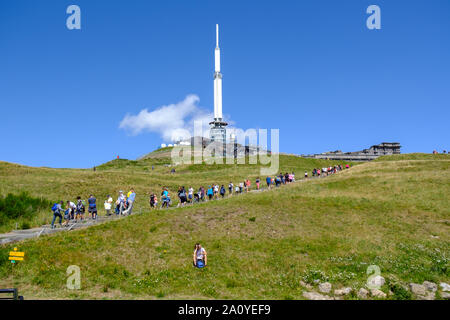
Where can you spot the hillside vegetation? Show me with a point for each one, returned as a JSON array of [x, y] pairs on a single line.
[[393, 214]]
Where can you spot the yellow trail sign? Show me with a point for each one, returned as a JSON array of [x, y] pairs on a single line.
[[16, 258], [16, 255]]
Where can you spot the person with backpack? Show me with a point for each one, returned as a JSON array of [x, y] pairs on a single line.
[[80, 209], [222, 191], [182, 196], [277, 181], [200, 256], [57, 209], [190, 194], [92, 209]]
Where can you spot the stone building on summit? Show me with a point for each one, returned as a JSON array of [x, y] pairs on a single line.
[[375, 151]]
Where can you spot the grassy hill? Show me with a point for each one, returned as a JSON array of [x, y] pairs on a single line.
[[391, 213]]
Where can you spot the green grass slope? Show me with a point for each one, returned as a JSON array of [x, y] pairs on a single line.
[[393, 214]]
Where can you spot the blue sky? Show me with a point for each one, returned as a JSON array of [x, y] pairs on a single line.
[[310, 68]]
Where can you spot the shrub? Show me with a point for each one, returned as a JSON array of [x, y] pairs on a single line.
[[400, 292], [21, 205]]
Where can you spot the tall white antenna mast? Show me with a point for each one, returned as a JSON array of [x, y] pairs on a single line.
[[217, 35]]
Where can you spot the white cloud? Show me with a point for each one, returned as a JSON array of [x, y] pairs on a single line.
[[173, 122]]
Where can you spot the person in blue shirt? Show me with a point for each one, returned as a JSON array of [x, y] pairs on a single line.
[[269, 182], [210, 192], [57, 213], [131, 198], [92, 209], [222, 191], [165, 198]]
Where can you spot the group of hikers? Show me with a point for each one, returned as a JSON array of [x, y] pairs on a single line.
[[327, 170], [216, 191], [124, 203], [76, 211]]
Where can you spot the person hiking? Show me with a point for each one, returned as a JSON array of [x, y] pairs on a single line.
[[190, 194], [257, 183], [57, 209], [108, 205], [200, 256], [236, 190], [197, 196], [120, 203], [230, 187], [201, 192], [210, 192], [277, 181], [241, 187], [80, 209], [269, 182], [216, 191], [182, 196], [67, 214], [153, 200], [247, 185], [92, 209], [222, 191], [131, 196], [72, 209], [165, 198]]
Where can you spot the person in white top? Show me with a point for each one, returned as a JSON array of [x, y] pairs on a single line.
[[73, 208], [190, 194], [200, 254], [120, 203], [108, 205], [216, 191]]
